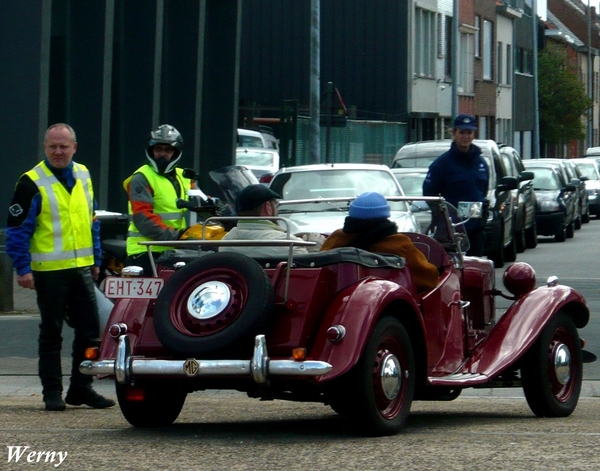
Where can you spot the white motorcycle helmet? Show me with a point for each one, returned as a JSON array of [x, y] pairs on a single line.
[[164, 134]]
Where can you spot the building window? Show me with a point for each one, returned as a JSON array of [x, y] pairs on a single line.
[[425, 42], [477, 36], [467, 58], [509, 64], [448, 46], [488, 48], [500, 59]]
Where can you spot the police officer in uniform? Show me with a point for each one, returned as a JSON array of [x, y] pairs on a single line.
[[461, 174], [53, 240]]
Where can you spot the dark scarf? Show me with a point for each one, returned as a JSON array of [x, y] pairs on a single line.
[[370, 231]]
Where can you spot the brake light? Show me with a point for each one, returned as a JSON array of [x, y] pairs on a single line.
[[266, 178], [336, 333], [135, 394]]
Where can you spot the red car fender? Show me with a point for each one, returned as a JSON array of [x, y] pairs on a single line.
[[521, 325], [357, 308], [131, 312]]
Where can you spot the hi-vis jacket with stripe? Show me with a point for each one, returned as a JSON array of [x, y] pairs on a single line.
[[63, 234], [153, 209]]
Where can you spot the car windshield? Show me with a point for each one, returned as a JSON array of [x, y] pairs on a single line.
[[334, 183], [545, 179], [589, 170], [250, 141], [411, 183], [254, 158]]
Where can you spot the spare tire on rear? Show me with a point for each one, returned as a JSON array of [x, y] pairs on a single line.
[[216, 304]]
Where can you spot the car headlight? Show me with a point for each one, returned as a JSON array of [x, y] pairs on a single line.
[[593, 192], [548, 205]]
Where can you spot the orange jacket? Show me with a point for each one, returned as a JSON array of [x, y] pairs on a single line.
[[424, 274]]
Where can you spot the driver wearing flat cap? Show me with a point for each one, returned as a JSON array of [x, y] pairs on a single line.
[[258, 200]]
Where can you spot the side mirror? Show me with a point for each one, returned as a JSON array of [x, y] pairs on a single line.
[[526, 175], [575, 182], [507, 184]]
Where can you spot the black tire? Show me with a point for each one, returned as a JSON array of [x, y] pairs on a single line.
[[561, 235], [570, 230], [381, 407], [577, 223], [233, 326], [160, 406], [586, 217], [510, 251], [520, 241], [531, 236], [552, 393]]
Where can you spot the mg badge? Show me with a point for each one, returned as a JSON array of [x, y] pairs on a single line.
[[191, 367]]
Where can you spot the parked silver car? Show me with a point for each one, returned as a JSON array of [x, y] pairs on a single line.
[[590, 168], [303, 187]]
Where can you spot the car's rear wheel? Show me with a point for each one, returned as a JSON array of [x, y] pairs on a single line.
[[571, 230], [383, 381], [552, 369], [531, 236], [217, 303], [150, 404], [520, 241], [510, 251]]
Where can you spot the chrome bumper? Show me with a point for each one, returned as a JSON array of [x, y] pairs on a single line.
[[125, 367]]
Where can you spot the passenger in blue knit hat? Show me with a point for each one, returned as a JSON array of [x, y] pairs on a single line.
[[368, 227]]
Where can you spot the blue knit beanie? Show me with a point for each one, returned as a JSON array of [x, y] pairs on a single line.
[[369, 205]]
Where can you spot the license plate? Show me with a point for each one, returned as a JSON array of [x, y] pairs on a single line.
[[124, 287]]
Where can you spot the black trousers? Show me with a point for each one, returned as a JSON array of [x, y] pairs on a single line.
[[65, 295], [476, 241]]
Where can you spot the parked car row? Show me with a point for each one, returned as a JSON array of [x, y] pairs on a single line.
[[563, 201]]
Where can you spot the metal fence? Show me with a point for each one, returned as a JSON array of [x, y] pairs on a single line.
[[359, 142]]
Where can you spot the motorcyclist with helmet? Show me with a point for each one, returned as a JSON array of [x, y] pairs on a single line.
[[153, 190]]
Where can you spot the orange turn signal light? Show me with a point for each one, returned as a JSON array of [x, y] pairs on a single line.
[[299, 354], [92, 353]]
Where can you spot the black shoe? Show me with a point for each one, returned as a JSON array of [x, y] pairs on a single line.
[[89, 397], [54, 401]]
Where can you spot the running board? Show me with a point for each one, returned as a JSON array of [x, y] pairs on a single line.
[[461, 380]]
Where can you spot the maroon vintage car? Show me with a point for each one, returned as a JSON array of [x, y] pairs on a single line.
[[343, 327]]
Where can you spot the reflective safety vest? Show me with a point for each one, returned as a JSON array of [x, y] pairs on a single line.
[[165, 206], [63, 233]]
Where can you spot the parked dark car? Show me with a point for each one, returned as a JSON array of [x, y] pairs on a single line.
[[499, 245], [556, 200], [590, 168], [582, 207], [524, 199]]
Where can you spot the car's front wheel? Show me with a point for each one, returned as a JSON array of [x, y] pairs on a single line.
[[150, 404], [552, 370], [382, 384]]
